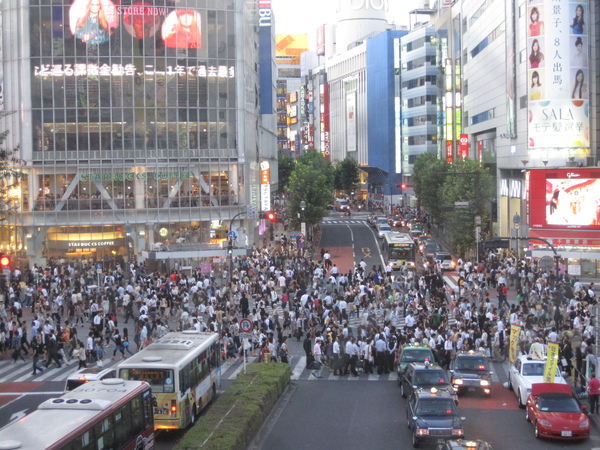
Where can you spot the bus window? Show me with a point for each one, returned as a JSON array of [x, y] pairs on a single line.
[[160, 380]]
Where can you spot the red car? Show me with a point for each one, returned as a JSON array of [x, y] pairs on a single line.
[[555, 413]]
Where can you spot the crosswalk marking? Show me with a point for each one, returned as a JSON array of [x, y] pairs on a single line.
[[298, 368], [362, 222]]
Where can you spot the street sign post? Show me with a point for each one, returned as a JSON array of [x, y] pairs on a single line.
[[232, 235]]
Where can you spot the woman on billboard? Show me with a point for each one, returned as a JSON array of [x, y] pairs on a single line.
[[536, 27], [535, 57], [580, 88], [92, 21], [535, 91], [579, 58], [578, 24], [182, 29]]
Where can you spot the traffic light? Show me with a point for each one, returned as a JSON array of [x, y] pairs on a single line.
[[4, 261], [271, 216], [403, 185]]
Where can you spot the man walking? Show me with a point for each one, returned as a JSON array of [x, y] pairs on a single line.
[[317, 354]]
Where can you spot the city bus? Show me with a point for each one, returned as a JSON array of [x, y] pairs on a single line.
[[183, 371], [399, 249], [108, 414]]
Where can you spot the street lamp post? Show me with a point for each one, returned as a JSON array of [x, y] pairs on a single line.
[[517, 223], [303, 223]]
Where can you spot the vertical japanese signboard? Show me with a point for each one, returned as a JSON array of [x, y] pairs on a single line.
[[265, 186], [558, 74]]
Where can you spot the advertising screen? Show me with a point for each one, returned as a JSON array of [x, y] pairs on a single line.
[[566, 198]]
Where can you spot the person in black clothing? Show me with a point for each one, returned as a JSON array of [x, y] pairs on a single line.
[[38, 352], [244, 305], [52, 346], [307, 345], [118, 344]]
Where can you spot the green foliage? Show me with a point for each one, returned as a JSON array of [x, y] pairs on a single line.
[[311, 181], [427, 183], [346, 175], [285, 165], [439, 184], [237, 415], [10, 175]]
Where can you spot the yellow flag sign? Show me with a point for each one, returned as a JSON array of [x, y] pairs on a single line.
[[515, 331], [551, 362]]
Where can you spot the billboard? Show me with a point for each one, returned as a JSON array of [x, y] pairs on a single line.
[[290, 45], [565, 199], [558, 75]]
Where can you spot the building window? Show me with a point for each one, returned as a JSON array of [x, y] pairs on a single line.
[[523, 102]]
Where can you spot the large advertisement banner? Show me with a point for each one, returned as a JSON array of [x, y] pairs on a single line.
[[558, 75], [565, 199], [515, 330], [551, 362]]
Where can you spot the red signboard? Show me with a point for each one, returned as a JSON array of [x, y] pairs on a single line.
[[480, 151], [464, 145], [567, 199], [449, 155], [321, 40]]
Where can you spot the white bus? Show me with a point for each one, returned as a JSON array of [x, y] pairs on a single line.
[[183, 371], [107, 414], [399, 250]]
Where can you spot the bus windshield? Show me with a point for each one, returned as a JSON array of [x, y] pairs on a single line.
[[401, 253], [160, 380]]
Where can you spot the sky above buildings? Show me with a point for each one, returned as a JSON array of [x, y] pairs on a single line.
[[306, 16]]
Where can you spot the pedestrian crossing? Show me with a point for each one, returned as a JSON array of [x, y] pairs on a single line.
[[343, 221], [231, 369], [22, 371]]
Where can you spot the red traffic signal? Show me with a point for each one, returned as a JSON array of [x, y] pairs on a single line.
[[4, 260], [403, 185], [271, 216]]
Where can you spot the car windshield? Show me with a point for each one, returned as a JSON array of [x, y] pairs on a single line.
[[416, 356], [557, 403], [429, 377], [471, 363], [435, 407], [533, 369]]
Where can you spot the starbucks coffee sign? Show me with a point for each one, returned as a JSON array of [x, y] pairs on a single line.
[[377, 5]]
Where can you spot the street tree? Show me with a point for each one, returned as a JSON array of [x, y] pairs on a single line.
[[311, 181], [427, 182], [439, 186], [346, 175], [10, 176], [285, 165]]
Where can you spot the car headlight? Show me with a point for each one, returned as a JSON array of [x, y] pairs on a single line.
[[422, 432], [458, 381], [545, 423], [485, 382], [457, 432], [584, 424]]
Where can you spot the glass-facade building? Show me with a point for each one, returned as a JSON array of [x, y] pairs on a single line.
[[137, 123]]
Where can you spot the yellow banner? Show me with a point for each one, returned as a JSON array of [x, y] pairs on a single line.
[[551, 362], [515, 331]]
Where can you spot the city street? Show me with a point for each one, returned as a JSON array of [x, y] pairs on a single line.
[[332, 412]]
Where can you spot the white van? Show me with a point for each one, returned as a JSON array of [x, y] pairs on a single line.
[[88, 374], [341, 204]]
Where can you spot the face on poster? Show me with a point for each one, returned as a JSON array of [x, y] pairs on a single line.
[[182, 29], [93, 21]]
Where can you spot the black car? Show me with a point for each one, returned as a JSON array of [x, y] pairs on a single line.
[[425, 376], [396, 221], [461, 444], [471, 371], [432, 415]]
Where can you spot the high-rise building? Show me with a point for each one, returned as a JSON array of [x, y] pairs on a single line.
[[139, 125]]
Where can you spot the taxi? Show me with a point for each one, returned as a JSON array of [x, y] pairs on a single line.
[[414, 353], [433, 415], [425, 376], [470, 371]]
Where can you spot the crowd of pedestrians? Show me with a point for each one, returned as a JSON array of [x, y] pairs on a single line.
[[290, 296]]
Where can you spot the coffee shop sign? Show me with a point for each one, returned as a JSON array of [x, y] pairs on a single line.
[[132, 176]]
